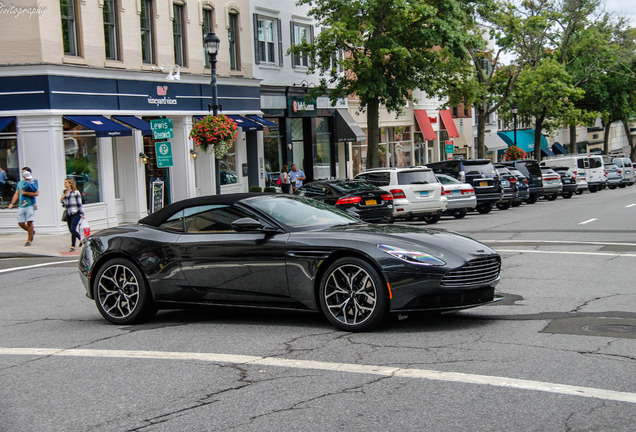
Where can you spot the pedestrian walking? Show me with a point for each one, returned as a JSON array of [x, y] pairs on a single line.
[[285, 181], [25, 193], [72, 202], [296, 176]]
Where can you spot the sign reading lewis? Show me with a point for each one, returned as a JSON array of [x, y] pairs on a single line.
[[164, 154], [161, 128]]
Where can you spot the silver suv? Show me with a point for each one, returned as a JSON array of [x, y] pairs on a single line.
[[416, 191]]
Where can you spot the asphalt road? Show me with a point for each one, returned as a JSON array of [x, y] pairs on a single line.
[[558, 354]]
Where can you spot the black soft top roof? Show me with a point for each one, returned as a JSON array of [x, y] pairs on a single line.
[[158, 217]]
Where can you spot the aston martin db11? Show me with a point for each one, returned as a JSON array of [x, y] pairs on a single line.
[[286, 252]]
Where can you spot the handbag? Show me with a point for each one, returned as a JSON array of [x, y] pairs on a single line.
[[64, 216]]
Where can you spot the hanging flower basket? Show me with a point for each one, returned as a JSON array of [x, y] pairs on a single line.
[[218, 132], [514, 153]]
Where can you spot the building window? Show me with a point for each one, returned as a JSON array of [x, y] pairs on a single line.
[[228, 166], [70, 27], [207, 27], [233, 41], [273, 152], [147, 32], [8, 159], [178, 29], [111, 29], [268, 40], [82, 161], [300, 33]]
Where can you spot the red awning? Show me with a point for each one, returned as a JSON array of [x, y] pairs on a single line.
[[447, 119], [425, 125]]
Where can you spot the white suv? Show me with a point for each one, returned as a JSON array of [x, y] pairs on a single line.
[[416, 191]]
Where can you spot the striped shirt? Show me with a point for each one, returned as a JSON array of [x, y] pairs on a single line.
[[73, 203]]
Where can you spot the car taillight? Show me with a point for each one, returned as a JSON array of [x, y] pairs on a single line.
[[512, 179], [525, 181], [470, 191], [349, 200], [398, 194], [445, 192], [387, 197], [620, 171]]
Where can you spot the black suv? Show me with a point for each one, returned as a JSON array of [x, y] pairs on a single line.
[[530, 168], [480, 173]]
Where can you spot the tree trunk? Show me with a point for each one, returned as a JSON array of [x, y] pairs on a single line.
[[538, 126], [573, 146], [630, 141], [606, 134], [481, 131], [373, 141]]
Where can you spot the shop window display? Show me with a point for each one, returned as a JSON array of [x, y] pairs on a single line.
[[9, 169], [228, 166], [273, 154], [82, 161]]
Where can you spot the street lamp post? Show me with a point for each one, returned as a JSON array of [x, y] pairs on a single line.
[[211, 44], [514, 111]]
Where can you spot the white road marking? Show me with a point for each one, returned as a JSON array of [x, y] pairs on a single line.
[[587, 221], [612, 254], [565, 242], [35, 266], [336, 367], [630, 205]]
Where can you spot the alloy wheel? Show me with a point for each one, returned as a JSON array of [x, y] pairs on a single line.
[[118, 291]]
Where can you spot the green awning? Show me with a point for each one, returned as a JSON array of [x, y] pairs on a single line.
[[525, 139]]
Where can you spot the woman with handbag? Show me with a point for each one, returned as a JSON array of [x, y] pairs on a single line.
[[73, 211]]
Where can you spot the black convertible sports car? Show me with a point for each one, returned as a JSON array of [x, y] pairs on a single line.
[[282, 251]]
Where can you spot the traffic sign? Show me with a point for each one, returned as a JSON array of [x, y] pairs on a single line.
[[450, 148], [161, 128], [164, 154]]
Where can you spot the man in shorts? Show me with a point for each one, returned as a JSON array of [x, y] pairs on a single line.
[[25, 193]]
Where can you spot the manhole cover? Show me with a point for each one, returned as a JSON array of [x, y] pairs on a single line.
[[611, 328]]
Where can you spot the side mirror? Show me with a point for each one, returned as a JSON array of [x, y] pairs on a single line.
[[250, 224]]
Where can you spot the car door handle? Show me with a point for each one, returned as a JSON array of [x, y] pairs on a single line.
[[188, 248]]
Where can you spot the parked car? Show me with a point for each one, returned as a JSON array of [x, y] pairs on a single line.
[[480, 173], [529, 168], [613, 177], [581, 184], [522, 183], [461, 196], [416, 191], [358, 197], [626, 169], [509, 186], [568, 181], [282, 251], [552, 186], [589, 165]]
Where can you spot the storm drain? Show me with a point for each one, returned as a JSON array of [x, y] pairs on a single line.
[[594, 326]]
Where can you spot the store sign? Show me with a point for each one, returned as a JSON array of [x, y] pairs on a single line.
[[450, 147], [161, 128], [298, 106], [164, 154], [162, 97]]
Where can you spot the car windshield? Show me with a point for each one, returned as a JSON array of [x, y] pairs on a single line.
[[300, 213], [353, 186], [611, 167], [444, 179], [416, 177]]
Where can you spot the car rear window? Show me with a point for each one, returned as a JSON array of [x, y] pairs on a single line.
[[376, 178], [416, 177], [480, 168], [353, 186]]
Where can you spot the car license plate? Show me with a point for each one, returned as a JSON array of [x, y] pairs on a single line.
[[483, 183], [423, 193], [371, 202], [455, 192]]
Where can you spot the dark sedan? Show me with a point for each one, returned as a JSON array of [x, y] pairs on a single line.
[[282, 251], [359, 197], [568, 180]]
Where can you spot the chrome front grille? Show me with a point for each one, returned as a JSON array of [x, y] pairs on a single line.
[[479, 271]]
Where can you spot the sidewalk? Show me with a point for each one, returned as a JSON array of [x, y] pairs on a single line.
[[12, 245]]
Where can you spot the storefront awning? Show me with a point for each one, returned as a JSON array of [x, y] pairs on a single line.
[[425, 125], [449, 124], [525, 139], [136, 123], [557, 148], [494, 142], [245, 123], [347, 129], [258, 119], [5, 121], [102, 126], [546, 152]]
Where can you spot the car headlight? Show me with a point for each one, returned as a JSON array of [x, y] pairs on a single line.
[[411, 256]]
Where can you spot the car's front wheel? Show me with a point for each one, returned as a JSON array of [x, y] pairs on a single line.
[[353, 297], [567, 195], [459, 213], [484, 208], [431, 219], [121, 293]]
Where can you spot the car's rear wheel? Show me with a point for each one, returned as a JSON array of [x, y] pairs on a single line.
[[484, 208], [121, 293], [353, 296], [516, 203], [431, 219], [567, 195], [532, 199], [503, 205], [552, 197], [459, 213]]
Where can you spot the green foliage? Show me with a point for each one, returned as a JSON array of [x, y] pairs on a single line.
[[78, 165], [269, 189], [514, 153], [256, 189]]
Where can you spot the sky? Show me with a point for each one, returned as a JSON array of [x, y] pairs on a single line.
[[626, 8]]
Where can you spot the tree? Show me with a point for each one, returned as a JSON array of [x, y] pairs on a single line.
[[389, 48]]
